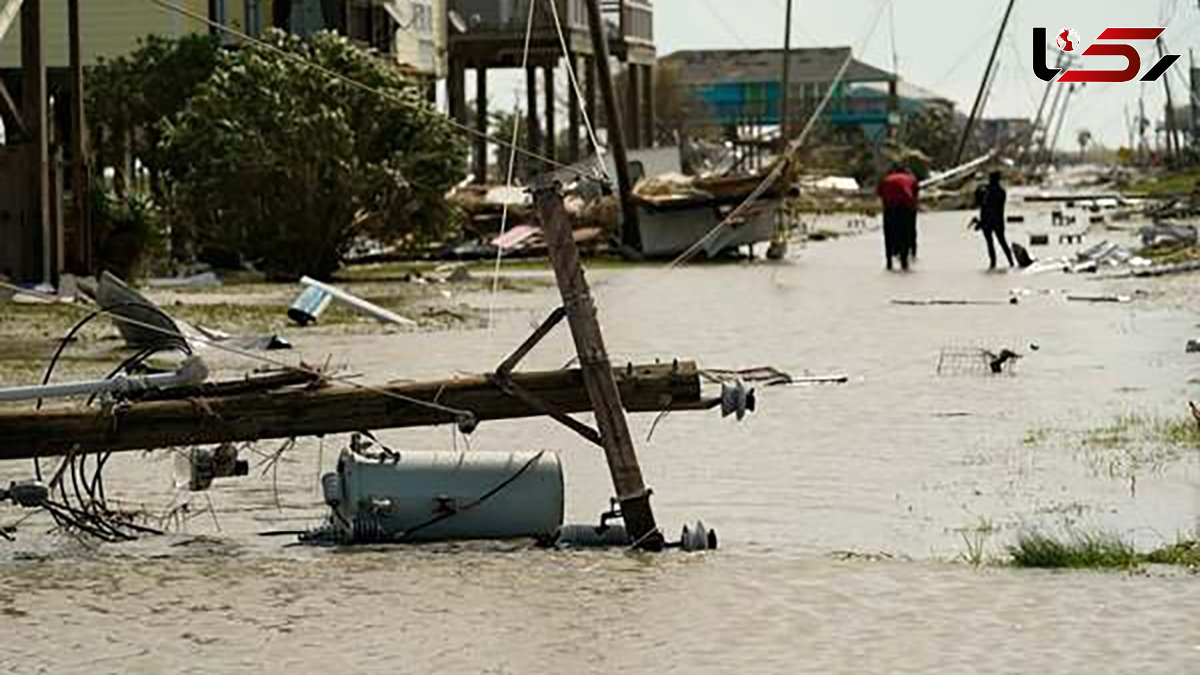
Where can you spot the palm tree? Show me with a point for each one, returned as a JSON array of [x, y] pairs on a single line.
[[1084, 138]]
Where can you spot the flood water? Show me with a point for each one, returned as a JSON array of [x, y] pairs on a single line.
[[846, 512]]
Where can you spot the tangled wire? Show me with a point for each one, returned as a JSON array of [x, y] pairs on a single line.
[[85, 506]]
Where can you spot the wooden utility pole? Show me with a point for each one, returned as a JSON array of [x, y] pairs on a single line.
[[987, 74], [785, 121], [204, 418], [598, 379], [80, 181], [630, 234], [1037, 121], [33, 94], [1192, 94]]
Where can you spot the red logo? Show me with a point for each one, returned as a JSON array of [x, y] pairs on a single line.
[[1118, 39], [1068, 40]]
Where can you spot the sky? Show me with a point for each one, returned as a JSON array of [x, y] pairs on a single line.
[[943, 45]]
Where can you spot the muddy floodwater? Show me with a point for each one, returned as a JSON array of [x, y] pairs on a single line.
[[848, 514]]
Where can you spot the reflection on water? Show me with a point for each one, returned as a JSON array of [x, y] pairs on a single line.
[[900, 462]]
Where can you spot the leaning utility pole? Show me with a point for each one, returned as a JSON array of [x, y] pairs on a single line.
[[1192, 94], [987, 73], [1062, 116], [1172, 133], [1037, 121], [785, 119], [597, 371], [630, 234]]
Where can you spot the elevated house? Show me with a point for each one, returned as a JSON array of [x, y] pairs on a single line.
[[34, 244], [486, 35], [730, 88]]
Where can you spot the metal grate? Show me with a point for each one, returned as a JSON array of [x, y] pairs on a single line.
[[992, 358]]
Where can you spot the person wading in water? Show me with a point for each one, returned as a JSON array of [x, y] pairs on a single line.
[[898, 191], [990, 199]]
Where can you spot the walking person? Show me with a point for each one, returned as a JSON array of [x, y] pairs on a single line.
[[990, 199], [899, 193]]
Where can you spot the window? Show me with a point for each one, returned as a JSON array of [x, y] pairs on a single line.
[[216, 12], [253, 17]]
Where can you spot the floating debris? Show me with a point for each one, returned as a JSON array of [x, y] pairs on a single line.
[[977, 360], [1076, 297]]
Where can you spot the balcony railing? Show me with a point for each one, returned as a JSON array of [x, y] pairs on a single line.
[[631, 19]]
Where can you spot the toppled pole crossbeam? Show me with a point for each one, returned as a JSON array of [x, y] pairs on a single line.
[[332, 410]]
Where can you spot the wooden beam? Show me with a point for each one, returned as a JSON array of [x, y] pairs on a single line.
[[631, 235], [333, 410], [82, 257], [33, 94], [481, 125]]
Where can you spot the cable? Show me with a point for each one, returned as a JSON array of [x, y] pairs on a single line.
[[512, 161], [359, 85], [460, 414], [768, 182], [587, 122], [470, 505], [724, 23]]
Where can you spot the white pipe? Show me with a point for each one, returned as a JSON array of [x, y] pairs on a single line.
[[962, 168], [358, 303], [191, 372]]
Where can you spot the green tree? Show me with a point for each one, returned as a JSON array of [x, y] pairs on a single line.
[[934, 132], [131, 97], [277, 163]]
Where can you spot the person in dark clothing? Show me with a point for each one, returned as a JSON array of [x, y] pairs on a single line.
[[990, 199], [899, 192]]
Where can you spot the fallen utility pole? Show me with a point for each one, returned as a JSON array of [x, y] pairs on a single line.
[[602, 389], [331, 410], [987, 74], [630, 234]]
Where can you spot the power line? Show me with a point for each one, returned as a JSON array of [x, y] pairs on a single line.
[[463, 128]]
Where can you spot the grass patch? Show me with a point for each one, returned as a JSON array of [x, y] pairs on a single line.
[[1180, 553], [1097, 551], [975, 539], [1079, 551], [1132, 443], [1171, 183], [1167, 254]]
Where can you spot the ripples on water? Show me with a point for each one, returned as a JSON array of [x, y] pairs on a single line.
[[841, 509]]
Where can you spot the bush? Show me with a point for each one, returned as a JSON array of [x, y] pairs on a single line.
[[277, 163]]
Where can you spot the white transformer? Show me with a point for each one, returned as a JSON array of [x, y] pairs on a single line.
[[438, 496]]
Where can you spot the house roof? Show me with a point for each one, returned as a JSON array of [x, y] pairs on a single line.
[[818, 64], [904, 89]]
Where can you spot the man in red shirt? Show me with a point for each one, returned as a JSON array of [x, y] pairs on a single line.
[[899, 190]]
